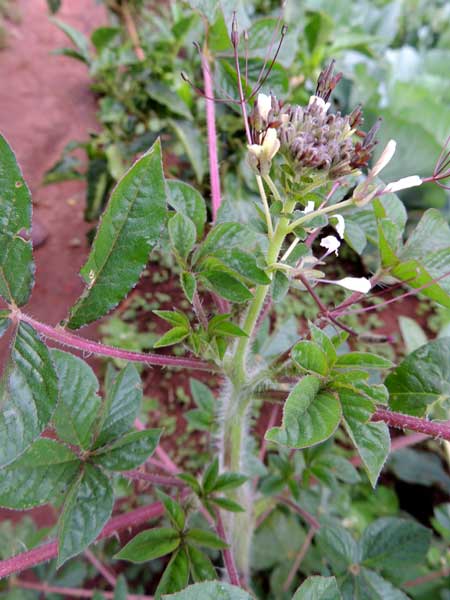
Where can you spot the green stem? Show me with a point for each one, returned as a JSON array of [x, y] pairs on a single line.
[[236, 404], [320, 211], [262, 193]]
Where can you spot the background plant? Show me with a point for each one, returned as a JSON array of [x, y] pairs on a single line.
[[78, 449]]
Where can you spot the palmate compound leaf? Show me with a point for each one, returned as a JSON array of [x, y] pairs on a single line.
[[28, 394], [87, 507], [309, 416], [421, 379], [129, 229], [16, 254], [42, 474], [129, 451]]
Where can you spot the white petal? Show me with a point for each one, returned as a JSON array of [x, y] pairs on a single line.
[[255, 149], [385, 158], [320, 102], [340, 225], [271, 143], [331, 243], [310, 207], [403, 184], [355, 284], [264, 103]]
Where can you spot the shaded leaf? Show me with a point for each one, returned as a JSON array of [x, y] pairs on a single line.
[[227, 286], [211, 590], [173, 510], [318, 588], [201, 567], [182, 233], [176, 574], [189, 202]]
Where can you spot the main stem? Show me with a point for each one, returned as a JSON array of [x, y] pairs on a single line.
[[236, 403]]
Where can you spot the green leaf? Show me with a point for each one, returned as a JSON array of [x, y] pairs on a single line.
[[310, 357], [87, 507], [338, 546], [371, 586], [208, 539], [318, 588], [164, 94], [182, 235], [4, 324], [192, 140], [171, 337], [189, 285], [189, 202], [16, 254], [227, 286], [309, 417], [357, 407], [28, 394], [394, 543], [121, 406], [223, 236], [150, 544], [210, 476], [219, 325], [211, 590], [130, 228], [78, 403], [42, 474], [129, 451], [78, 39], [201, 567], [176, 574], [202, 395], [191, 481], [242, 263], [227, 504], [173, 317], [173, 510], [229, 481], [120, 589], [103, 36], [373, 443], [321, 338], [431, 234], [363, 360], [421, 379], [412, 333]]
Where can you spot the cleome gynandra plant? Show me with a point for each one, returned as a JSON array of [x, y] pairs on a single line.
[[64, 442]]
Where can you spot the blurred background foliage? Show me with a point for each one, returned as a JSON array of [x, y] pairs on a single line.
[[394, 56]]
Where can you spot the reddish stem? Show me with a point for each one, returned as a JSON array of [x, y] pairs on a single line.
[[72, 592], [66, 338], [212, 135], [401, 421], [101, 568], [154, 479], [48, 551], [445, 572], [305, 515], [298, 559], [228, 557]]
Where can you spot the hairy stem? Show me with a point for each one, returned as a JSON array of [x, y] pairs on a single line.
[[212, 135], [48, 551], [66, 338], [227, 553], [400, 421]]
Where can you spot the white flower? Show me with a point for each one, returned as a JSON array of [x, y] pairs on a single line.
[[331, 243], [260, 155], [403, 184], [320, 103], [310, 207], [384, 159], [264, 105], [355, 284], [340, 225]]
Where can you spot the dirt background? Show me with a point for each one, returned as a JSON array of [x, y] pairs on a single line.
[[45, 102]]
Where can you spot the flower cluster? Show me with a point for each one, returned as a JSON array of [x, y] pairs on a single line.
[[311, 138]]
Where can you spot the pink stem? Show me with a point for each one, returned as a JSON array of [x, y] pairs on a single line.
[[101, 568], [298, 559], [48, 551], [305, 515], [72, 592], [154, 479], [212, 136], [227, 554], [66, 338], [445, 572], [401, 421]]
